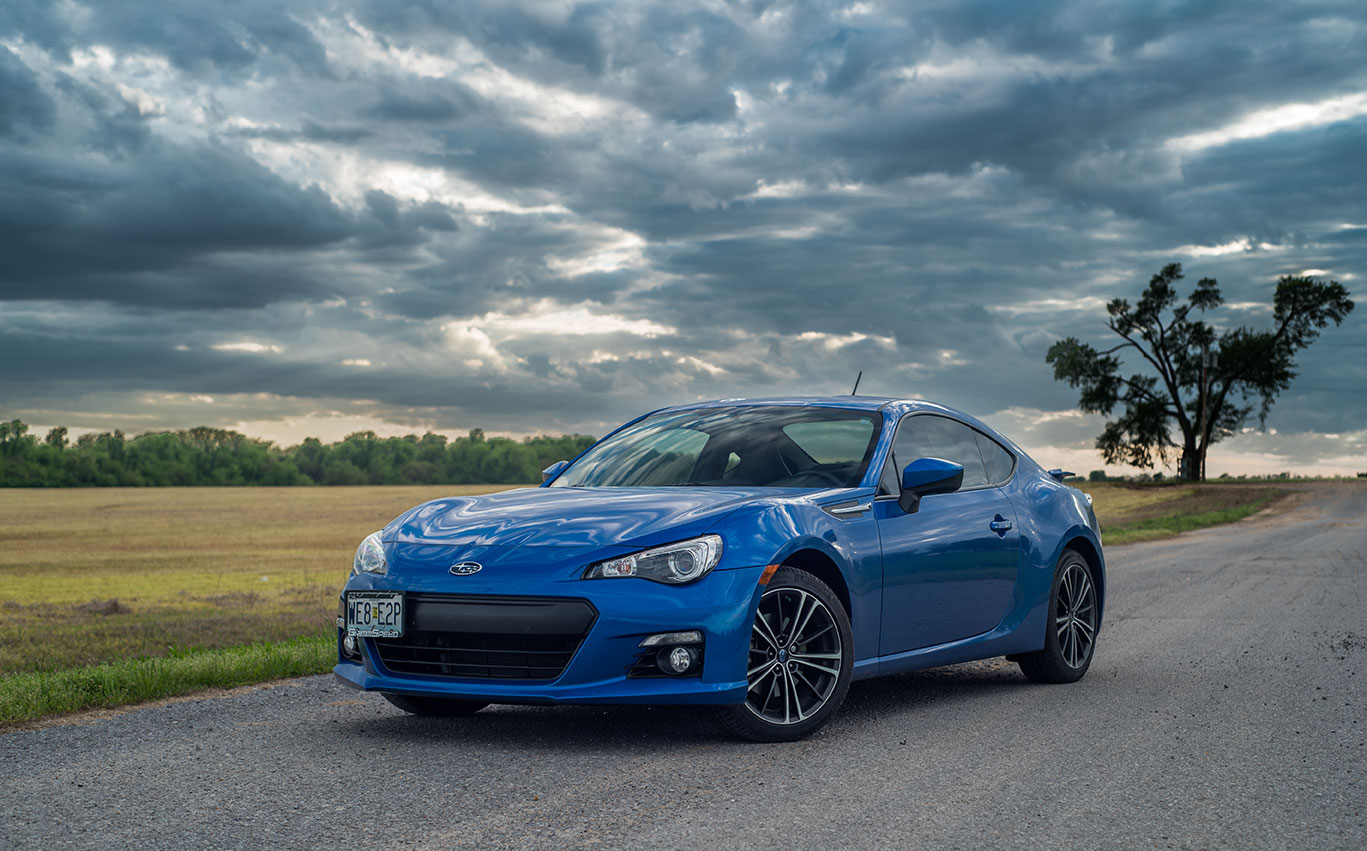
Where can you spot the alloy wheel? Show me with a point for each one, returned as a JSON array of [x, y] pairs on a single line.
[[795, 657], [1075, 620]]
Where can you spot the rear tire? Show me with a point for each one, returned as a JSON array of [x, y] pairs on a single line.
[[799, 664], [434, 707], [1071, 627]]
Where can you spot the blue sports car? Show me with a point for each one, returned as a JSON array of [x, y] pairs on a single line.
[[752, 556]]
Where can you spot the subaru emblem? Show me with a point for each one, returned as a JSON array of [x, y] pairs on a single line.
[[466, 568]]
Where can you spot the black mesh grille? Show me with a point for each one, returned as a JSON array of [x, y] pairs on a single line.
[[515, 638]]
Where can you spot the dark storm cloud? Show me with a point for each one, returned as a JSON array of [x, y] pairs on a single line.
[[423, 101], [140, 233], [23, 105], [456, 213]]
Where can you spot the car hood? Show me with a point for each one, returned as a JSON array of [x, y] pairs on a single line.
[[571, 517]]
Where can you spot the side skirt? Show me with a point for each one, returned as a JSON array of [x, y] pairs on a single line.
[[1026, 637]]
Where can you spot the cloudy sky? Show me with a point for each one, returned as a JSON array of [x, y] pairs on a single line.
[[310, 217]]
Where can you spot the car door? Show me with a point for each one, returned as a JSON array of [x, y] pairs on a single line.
[[949, 568]]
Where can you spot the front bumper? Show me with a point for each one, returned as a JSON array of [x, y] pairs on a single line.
[[721, 605]]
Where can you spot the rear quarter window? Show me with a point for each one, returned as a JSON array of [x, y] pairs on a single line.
[[998, 461]]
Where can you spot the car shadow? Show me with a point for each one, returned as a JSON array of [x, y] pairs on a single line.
[[934, 687], [658, 729]]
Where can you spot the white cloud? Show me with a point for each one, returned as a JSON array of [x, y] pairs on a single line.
[[247, 346], [836, 342], [608, 250], [1089, 303], [701, 365], [549, 319], [347, 175], [1277, 119], [551, 110], [473, 345]]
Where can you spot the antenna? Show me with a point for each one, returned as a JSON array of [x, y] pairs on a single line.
[[856, 383]]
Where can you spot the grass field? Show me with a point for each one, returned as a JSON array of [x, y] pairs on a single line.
[[93, 575], [1129, 513], [115, 595]]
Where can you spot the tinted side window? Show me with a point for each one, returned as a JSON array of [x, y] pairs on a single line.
[[927, 436], [998, 461], [832, 441]]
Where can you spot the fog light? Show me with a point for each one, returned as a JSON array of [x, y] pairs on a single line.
[[351, 645], [677, 660]]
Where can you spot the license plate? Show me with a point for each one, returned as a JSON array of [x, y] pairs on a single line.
[[374, 614]]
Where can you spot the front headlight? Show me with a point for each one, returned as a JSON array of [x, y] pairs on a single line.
[[673, 564], [370, 556]]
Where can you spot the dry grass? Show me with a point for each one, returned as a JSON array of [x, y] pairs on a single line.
[[1132, 512], [95, 575]]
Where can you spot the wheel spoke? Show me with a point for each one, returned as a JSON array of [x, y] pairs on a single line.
[[791, 628], [802, 623], [769, 696], [816, 691], [792, 688], [764, 675], [820, 632], [767, 633], [782, 621], [832, 671], [796, 656]]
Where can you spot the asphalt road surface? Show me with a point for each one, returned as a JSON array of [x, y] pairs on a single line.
[[1225, 709]]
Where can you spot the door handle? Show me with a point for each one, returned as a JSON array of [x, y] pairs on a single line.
[[1000, 525]]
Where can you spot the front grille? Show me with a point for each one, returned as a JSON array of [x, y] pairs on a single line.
[[513, 638]]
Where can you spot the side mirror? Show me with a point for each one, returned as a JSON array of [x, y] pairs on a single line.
[[926, 476], [552, 471]]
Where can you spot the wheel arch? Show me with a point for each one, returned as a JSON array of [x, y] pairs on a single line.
[[823, 567], [1091, 553]]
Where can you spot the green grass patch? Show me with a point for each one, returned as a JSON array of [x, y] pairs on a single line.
[[1186, 513], [31, 696]]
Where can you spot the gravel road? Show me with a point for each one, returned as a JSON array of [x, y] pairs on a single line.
[[1225, 709]]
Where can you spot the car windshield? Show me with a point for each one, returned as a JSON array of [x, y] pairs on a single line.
[[755, 446]]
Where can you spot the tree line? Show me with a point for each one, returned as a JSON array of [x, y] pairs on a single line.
[[212, 456]]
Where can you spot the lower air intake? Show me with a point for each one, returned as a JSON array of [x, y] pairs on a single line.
[[509, 638]]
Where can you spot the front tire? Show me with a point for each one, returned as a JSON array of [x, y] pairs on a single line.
[[799, 664], [434, 707], [1070, 633]]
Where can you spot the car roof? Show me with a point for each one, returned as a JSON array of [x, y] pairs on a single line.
[[858, 403], [894, 407]]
